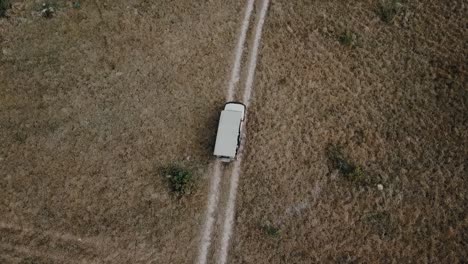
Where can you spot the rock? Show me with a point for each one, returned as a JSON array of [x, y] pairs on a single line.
[[380, 187]]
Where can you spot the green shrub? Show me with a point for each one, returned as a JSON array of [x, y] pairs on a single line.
[[4, 6], [180, 179], [388, 9], [48, 8], [350, 171], [357, 175], [271, 230], [339, 161], [347, 38]]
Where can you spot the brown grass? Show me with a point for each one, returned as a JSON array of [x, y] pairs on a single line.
[[92, 101], [95, 99], [395, 104]]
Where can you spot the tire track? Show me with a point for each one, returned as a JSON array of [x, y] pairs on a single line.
[[234, 183], [227, 209], [213, 199], [210, 213], [235, 75]]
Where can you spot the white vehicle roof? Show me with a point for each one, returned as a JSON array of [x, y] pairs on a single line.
[[228, 133], [235, 107]]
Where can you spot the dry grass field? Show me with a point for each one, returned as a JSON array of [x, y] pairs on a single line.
[[357, 139], [347, 99], [93, 101]]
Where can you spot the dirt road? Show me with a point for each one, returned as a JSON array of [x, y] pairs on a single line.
[[219, 222]]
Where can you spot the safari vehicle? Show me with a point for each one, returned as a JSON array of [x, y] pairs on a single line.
[[229, 131]]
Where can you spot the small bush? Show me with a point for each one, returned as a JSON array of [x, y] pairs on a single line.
[[4, 6], [339, 161], [271, 230], [350, 171], [347, 38], [388, 9], [48, 9], [357, 175], [180, 179]]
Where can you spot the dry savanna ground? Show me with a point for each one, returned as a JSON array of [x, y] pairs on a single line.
[[349, 95], [97, 96]]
